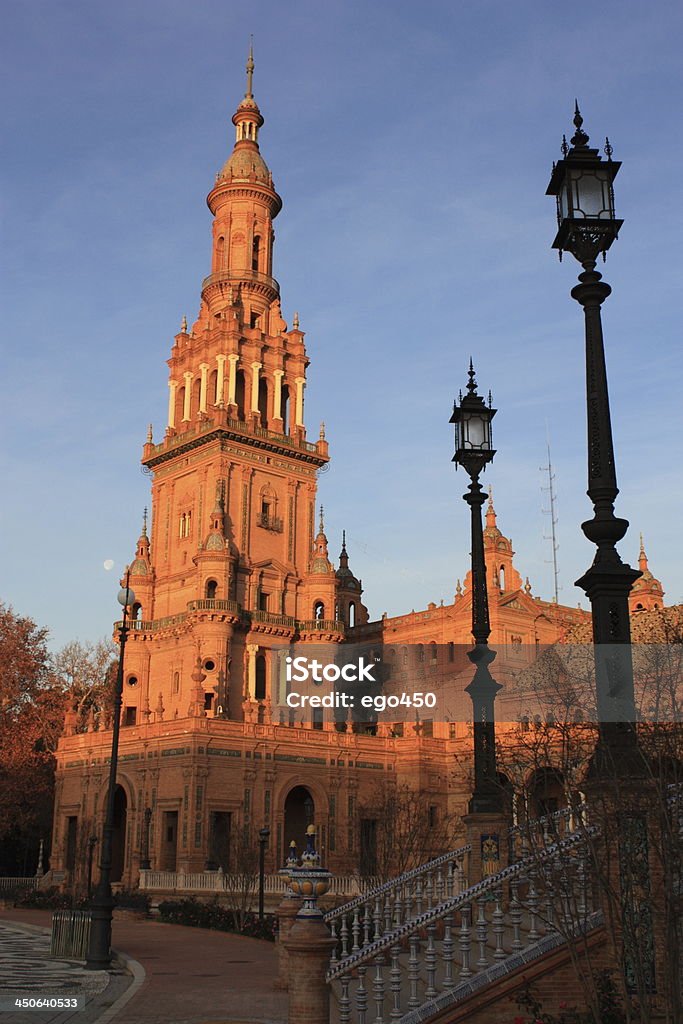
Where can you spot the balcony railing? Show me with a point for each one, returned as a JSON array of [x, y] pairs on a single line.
[[213, 604], [268, 522], [240, 426], [272, 619], [320, 626], [240, 276]]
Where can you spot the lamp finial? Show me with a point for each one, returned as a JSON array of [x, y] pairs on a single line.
[[579, 138]]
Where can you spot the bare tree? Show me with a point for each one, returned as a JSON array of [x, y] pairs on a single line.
[[406, 829]]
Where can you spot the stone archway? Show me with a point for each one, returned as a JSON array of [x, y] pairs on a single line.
[[118, 839], [299, 814]]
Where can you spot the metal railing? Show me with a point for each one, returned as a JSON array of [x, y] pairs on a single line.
[[70, 934], [18, 883]]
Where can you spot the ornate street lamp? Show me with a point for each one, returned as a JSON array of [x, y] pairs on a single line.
[[473, 450], [263, 836], [99, 950], [92, 843], [145, 862], [587, 225]]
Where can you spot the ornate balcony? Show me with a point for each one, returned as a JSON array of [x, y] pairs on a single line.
[[268, 522]]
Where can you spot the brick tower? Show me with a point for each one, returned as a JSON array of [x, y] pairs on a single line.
[[235, 556]]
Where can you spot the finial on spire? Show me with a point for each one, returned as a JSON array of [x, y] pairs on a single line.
[[579, 138], [471, 384], [491, 497], [343, 540], [250, 70], [183, 325], [144, 522], [322, 430], [150, 435], [322, 519], [642, 545], [295, 321]]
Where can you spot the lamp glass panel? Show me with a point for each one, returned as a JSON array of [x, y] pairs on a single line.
[[591, 195], [475, 431]]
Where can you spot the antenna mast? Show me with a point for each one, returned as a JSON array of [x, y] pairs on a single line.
[[550, 490]]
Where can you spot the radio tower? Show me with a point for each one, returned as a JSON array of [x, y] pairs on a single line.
[[550, 490]]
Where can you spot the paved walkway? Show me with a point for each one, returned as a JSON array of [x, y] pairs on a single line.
[[191, 976]]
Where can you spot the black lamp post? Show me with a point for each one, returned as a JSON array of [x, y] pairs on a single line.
[[145, 863], [583, 186], [99, 949], [473, 450], [92, 843], [263, 837]]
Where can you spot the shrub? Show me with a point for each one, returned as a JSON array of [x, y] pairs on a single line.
[[191, 912]]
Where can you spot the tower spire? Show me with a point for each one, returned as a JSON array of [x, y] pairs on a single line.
[[250, 70]]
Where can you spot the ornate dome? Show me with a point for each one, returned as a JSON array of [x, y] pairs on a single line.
[[245, 163]]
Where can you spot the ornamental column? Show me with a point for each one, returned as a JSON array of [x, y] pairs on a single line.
[[220, 377], [232, 378], [188, 395], [299, 407], [277, 395], [172, 391], [204, 367], [255, 367]]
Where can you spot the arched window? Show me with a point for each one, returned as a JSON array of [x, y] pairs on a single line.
[[260, 677], [420, 652], [176, 682], [432, 653], [196, 391], [239, 394], [501, 578], [255, 252], [179, 404], [136, 611], [318, 610], [212, 396], [211, 588], [220, 253], [263, 401], [352, 613]]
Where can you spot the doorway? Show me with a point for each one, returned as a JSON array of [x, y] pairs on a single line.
[[299, 814], [169, 841]]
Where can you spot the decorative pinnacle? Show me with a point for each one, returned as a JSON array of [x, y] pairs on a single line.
[[642, 546], [295, 321], [183, 325], [344, 541], [250, 70], [150, 435], [322, 519], [322, 430], [144, 522], [471, 384], [579, 138], [608, 148]]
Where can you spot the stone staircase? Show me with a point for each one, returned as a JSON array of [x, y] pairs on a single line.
[[409, 949]]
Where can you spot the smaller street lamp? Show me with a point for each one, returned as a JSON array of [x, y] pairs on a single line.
[[145, 863], [473, 451], [102, 906], [263, 836]]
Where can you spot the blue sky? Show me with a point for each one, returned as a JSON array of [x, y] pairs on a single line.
[[412, 145]]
